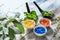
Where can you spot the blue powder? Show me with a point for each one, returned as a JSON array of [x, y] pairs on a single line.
[[40, 30]]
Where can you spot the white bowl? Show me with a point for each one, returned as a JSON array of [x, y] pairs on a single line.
[[31, 26], [40, 34], [46, 19]]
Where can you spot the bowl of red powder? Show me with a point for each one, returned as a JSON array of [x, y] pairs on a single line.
[[45, 22]]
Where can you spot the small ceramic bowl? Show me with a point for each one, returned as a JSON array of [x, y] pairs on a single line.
[[40, 30], [45, 22], [29, 24]]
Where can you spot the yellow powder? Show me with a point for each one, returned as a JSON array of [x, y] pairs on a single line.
[[29, 23]]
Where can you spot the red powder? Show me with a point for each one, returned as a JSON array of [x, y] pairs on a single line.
[[45, 22]]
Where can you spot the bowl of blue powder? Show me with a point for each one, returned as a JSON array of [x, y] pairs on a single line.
[[40, 30]]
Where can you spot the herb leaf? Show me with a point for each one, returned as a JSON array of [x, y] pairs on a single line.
[[20, 27], [11, 20], [31, 15], [11, 33], [1, 28]]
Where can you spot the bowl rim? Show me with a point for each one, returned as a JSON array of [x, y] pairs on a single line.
[[27, 27], [40, 34], [46, 19]]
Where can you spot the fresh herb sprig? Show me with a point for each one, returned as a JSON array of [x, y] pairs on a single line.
[[31, 15]]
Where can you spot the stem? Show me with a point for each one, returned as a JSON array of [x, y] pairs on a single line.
[[2, 19], [3, 35]]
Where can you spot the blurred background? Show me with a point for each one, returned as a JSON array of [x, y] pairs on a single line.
[[8, 7]]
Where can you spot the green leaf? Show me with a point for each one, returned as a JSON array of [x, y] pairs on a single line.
[[20, 27], [11, 33], [26, 18], [49, 14], [10, 20], [1, 28], [33, 12], [31, 15], [34, 15]]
